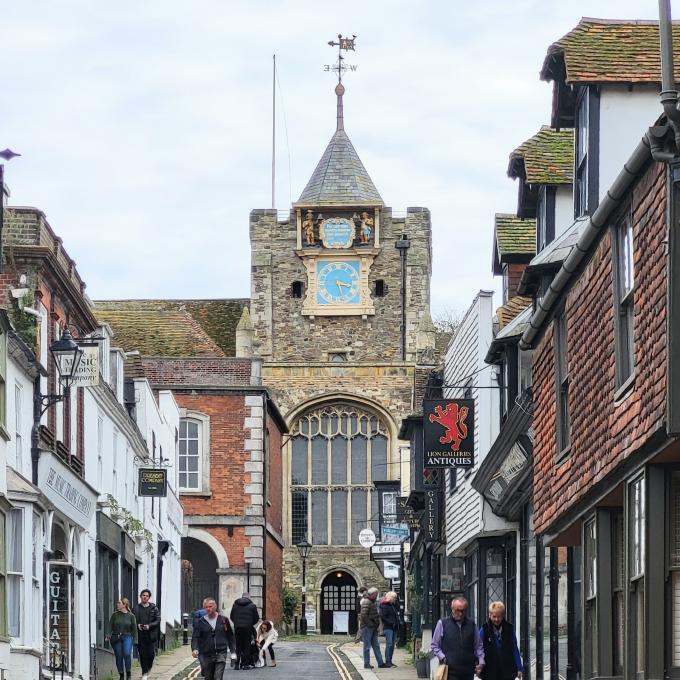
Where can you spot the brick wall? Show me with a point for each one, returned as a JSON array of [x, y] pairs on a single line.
[[275, 479], [515, 272], [194, 371], [274, 566], [604, 432]]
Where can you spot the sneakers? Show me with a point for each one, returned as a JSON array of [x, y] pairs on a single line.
[[383, 665], [368, 666], [145, 676]]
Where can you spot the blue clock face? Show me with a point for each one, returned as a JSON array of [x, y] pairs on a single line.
[[337, 282]]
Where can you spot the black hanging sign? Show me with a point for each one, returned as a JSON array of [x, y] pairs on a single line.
[[405, 513], [429, 521], [449, 432], [153, 482]]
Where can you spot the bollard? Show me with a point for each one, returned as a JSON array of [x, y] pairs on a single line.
[[185, 628]]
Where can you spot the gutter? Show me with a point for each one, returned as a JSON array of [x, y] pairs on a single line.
[[649, 148]]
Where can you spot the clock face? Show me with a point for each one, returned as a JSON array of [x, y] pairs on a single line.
[[337, 282]]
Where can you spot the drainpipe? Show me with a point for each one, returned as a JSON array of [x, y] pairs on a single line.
[[402, 246], [669, 95], [35, 430]]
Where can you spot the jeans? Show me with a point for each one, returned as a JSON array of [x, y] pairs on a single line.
[[146, 648], [122, 648], [371, 641], [212, 667], [389, 644]]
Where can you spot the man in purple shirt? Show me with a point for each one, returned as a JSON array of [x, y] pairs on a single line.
[[457, 643]]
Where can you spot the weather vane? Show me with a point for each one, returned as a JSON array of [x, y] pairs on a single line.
[[346, 44]]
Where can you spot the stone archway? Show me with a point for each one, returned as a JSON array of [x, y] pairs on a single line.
[[337, 601], [199, 574]]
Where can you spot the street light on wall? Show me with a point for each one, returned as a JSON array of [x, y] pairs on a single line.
[[304, 548], [66, 355]]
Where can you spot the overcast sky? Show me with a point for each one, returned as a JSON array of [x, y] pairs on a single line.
[[145, 127]]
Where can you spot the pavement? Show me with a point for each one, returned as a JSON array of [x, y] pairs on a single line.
[[405, 669]]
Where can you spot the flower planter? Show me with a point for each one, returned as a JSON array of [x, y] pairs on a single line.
[[423, 668]]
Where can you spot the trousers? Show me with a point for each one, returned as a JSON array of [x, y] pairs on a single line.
[[212, 667], [122, 648]]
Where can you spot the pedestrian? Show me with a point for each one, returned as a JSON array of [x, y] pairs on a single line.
[[212, 638], [266, 637], [370, 621], [503, 660], [456, 642], [122, 633], [389, 616], [244, 616], [360, 596], [149, 626]]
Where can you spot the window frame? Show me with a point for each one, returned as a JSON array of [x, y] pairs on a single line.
[[203, 422], [16, 575], [562, 413], [623, 272]]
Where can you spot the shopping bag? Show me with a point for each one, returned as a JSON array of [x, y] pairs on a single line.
[[442, 672]]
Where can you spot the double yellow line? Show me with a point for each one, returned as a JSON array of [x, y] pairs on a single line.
[[193, 674], [344, 673]]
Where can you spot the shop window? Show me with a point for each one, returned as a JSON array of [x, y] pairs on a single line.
[[3, 379], [472, 582], [337, 452], [624, 299], [674, 575], [15, 571], [636, 574]]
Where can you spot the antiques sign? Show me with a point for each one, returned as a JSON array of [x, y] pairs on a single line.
[[449, 432], [429, 522], [153, 482], [59, 615]]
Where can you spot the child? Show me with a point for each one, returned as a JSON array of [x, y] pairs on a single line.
[[266, 637]]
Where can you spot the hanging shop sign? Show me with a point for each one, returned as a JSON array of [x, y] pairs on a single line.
[[429, 521], [59, 615], [449, 432], [366, 538], [405, 513], [153, 482], [87, 371]]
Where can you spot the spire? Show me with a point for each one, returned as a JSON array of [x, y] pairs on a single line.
[[340, 90], [340, 177]]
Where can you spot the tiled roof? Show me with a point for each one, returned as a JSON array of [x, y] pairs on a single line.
[[606, 50], [514, 306], [173, 328], [514, 236], [548, 157], [340, 178]]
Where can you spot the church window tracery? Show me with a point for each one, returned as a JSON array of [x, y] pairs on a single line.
[[337, 452]]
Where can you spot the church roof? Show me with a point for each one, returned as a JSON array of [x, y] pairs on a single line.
[[340, 178], [174, 328]]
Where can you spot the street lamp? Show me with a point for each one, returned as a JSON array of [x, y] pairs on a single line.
[[66, 355], [304, 548]]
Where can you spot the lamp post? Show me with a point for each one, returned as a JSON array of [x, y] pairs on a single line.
[[304, 548], [66, 355]]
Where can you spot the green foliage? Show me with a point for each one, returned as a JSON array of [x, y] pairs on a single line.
[[130, 523], [290, 603]]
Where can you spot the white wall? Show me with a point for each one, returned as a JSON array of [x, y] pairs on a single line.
[[624, 119], [465, 359], [564, 208]]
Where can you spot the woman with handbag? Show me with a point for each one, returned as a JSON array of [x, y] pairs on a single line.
[[389, 618], [122, 632]]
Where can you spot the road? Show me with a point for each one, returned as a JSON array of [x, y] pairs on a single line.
[[293, 660]]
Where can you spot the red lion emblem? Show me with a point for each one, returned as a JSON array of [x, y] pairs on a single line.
[[452, 418]]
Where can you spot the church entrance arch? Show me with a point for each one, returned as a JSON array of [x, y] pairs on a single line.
[[199, 574], [338, 603]]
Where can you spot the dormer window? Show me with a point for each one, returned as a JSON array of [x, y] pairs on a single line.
[[545, 217], [581, 156]]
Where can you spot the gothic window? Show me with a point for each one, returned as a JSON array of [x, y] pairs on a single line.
[[337, 452]]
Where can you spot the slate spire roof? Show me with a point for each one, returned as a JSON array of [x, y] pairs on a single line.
[[340, 177]]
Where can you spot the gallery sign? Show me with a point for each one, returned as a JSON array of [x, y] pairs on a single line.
[[152, 482], [449, 435], [429, 521]]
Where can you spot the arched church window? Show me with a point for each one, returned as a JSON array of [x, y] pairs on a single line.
[[337, 452]]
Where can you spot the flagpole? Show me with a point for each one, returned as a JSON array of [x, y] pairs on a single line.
[[274, 132]]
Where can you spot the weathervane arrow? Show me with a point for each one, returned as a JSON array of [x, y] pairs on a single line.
[[8, 154]]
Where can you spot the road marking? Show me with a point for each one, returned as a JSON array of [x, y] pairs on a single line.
[[344, 673]]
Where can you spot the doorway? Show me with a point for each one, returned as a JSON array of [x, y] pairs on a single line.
[[199, 574], [338, 603]]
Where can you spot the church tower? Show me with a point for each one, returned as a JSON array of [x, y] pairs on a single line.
[[340, 295]]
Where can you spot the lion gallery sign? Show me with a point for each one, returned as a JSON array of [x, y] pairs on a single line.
[[449, 432]]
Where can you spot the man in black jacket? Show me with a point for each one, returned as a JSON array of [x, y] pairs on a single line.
[[211, 640], [244, 616], [149, 626]]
